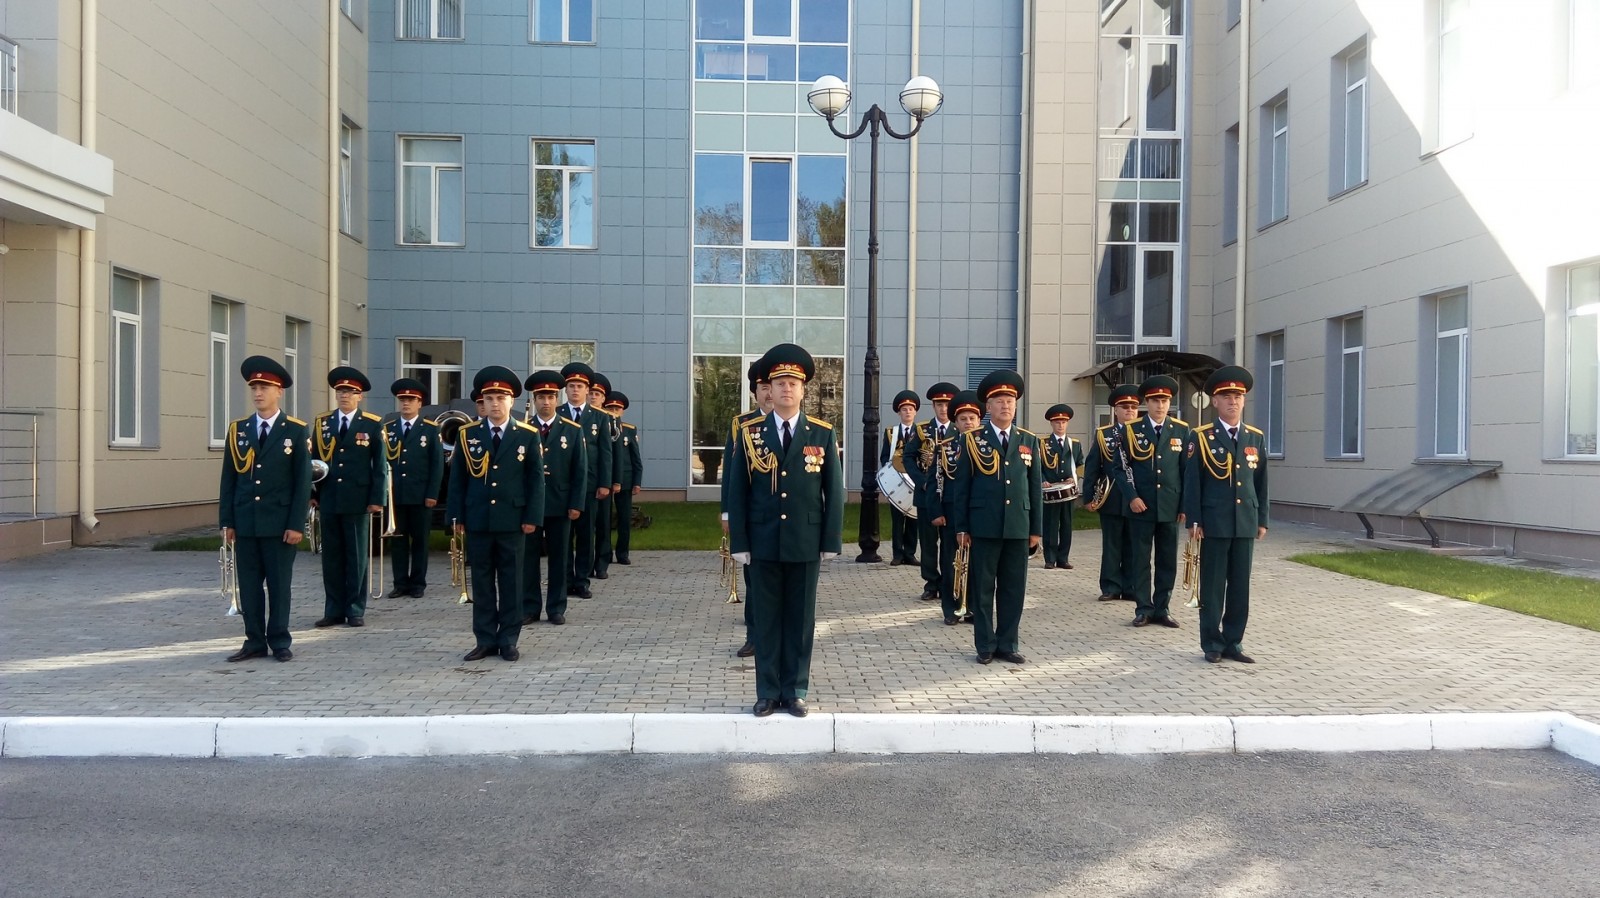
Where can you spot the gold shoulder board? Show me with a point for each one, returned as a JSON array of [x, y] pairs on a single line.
[[1254, 431], [293, 420], [1202, 428], [819, 422], [525, 425], [1178, 421], [430, 421], [371, 417]]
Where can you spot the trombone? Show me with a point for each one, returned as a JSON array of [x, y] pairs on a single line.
[[963, 566], [227, 560], [730, 574], [458, 565], [1191, 569], [389, 529]]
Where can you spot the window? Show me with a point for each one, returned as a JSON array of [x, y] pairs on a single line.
[[437, 20], [1275, 161], [1348, 159], [563, 194], [294, 359], [1352, 349], [1447, 373], [1230, 185], [349, 348], [771, 40], [563, 21], [1231, 14], [558, 353], [347, 177], [348, 7], [1276, 426], [221, 368], [771, 201], [438, 364], [1450, 94], [1583, 360], [432, 192], [8, 75], [1581, 38], [127, 358]]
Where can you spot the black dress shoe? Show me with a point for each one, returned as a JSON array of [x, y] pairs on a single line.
[[558, 619], [529, 619], [1049, 565], [510, 653], [601, 575], [282, 655], [1165, 621], [1065, 566], [328, 621], [416, 592], [1238, 656], [966, 618], [1141, 620], [1108, 597], [951, 621], [1127, 597], [797, 707], [748, 650], [584, 593], [247, 654], [623, 561], [985, 657], [764, 707], [397, 592], [895, 562], [1011, 657], [572, 590], [357, 622], [480, 653], [1213, 657]]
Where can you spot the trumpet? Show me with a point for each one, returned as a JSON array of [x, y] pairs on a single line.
[[730, 574], [458, 565], [1191, 569], [227, 560], [963, 566], [389, 529]]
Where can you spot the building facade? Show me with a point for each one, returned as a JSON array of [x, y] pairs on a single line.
[[1345, 196]]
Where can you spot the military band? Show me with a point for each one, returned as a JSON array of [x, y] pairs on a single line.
[[597, 438], [966, 413], [918, 458], [1108, 458], [1225, 504], [599, 392], [566, 483], [416, 465], [628, 463], [1155, 444], [350, 441], [262, 501], [902, 529], [761, 397], [496, 499], [1063, 465]]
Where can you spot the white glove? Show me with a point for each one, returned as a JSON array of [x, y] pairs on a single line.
[[829, 556], [742, 557]]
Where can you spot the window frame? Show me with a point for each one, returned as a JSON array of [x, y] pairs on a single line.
[[347, 177], [1446, 89], [1276, 187], [434, 168], [135, 320], [1273, 348], [566, 25], [429, 373], [349, 347], [219, 371], [1231, 207], [751, 160], [1359, 361], [435, 16], [1341, 152], [1463, 356], [1591, 310], [295, 360], [534, 168]]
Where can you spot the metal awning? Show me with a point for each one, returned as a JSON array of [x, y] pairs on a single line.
[[1406, 491], [1192, 366]]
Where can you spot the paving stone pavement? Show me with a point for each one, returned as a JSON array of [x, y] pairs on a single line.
[[127, 631]]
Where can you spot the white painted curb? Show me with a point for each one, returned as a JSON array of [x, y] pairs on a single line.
[[540, 734]]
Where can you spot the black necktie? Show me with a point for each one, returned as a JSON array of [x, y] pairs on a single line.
[[344, 426], [544, 431], [1005, 441], [1157, 430], [405, 429], [787, 436], [495, 443], [905, 433], [261, 437], [1233, 434]]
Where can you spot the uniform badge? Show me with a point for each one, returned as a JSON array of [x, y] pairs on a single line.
[[813, 458], [624, 441], [1026, 454], [1191, 450], [594, 429], [1250, 457], [1175, 444], [522, 452], [424, 439], [288, 446], [362, 439], [563, 441]]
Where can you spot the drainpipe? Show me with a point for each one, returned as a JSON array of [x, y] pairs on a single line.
[[1024, 196], [911, 205], [87, 112], [333, 183], [1242, 189]]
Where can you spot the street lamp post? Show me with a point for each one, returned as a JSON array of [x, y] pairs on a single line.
[[921, 98]]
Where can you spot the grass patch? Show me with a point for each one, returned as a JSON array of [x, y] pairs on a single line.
[[1557, 597], [189, 544]]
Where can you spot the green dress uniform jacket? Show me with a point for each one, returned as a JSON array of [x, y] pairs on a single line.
[[1116, 536], [739, 421], [1225, 492], [358, 471], [1157, 462], [416, 466], [1063, 461], [935, 573], [999, 502], [785, 508], [596, 426], [265, 491], [495, 493], [630, 474], [566, 473]]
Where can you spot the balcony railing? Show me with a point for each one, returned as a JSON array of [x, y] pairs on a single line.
[[8, 74]]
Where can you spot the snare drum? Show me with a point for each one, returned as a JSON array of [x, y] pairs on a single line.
[[1056, 493], [897, 487]]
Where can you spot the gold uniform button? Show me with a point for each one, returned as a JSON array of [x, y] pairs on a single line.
[[491, 501], [784, 473], [1008, 483], [494, 484], [258, 483], [1008, 501], [783, 517], [258, 498], [1238, 501], [780, 495]]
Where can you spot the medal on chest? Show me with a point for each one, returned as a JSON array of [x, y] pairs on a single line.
[[1026, 454], [1250, 459], [288, 446], [813, 458], [423, 440], [563, 441], [363, 440], [1175, 444], [522, 452]]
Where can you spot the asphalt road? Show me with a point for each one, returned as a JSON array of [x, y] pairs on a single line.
[[1415, 824]]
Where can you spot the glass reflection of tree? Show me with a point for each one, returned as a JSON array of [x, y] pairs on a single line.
[[718, 382]]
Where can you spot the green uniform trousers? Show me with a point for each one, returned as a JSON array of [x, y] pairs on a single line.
[[999, 578], [1224, 592], [623, 513], [1057, 532], [346, 548], [1116, 540], [410, 548], [264, 561], [495, 558], [1158, 538], [783, 600]]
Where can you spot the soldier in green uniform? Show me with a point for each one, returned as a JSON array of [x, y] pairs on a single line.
[[599, 392], [262, 501], [902, 529], [1108, 457], [1225, 502], [966, 416], [785, 517], [566, 473], [999, 513], [350, 441], [918, 455], [1063, 463], [496, 500], [416, 465], [1155, 452], [629, 476], [597, 435], [761, 395]]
